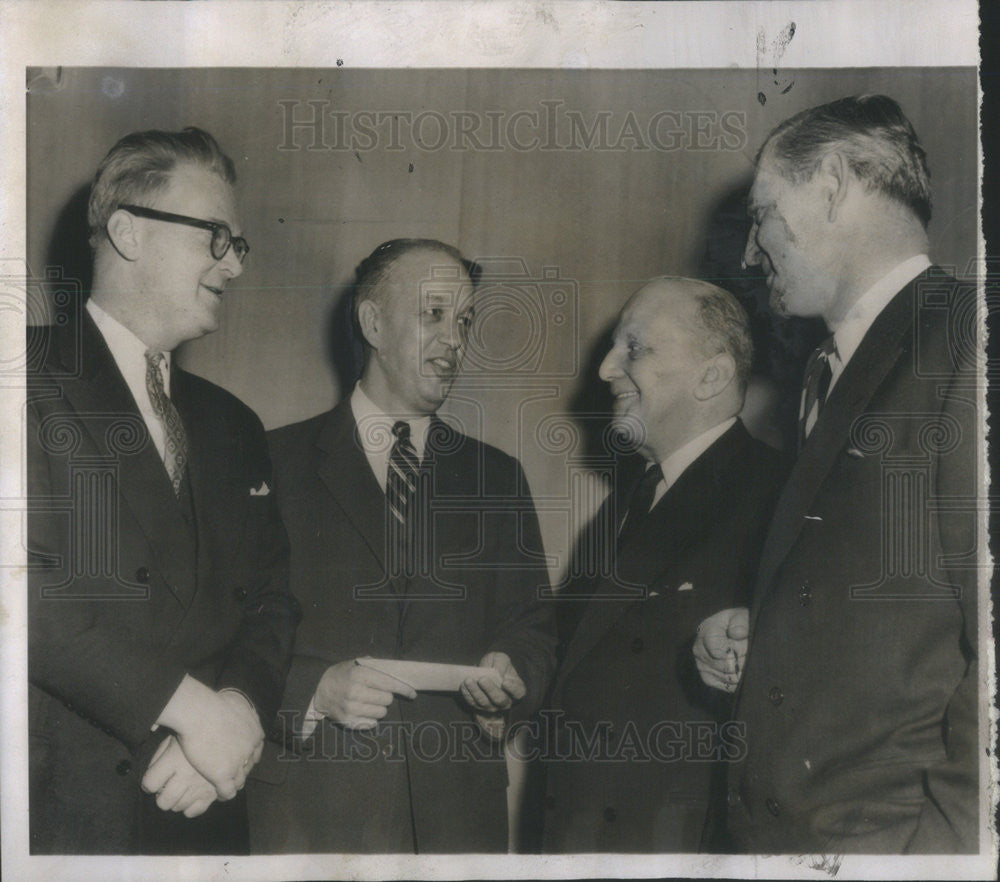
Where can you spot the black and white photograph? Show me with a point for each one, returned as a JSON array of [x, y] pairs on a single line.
[[494, 440]]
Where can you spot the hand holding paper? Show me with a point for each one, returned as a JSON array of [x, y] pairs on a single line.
[[357, 696], [490, 697], [490, 694]]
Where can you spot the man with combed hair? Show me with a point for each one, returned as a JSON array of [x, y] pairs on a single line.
[[631, 763], [160, 626], [860, 687], [411, 541]]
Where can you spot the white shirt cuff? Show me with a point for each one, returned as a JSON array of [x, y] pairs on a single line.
[[311, 720]]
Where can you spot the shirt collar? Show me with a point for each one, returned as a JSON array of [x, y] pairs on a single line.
[[862, 315], [375, 426], [678, 461], [126, 349]]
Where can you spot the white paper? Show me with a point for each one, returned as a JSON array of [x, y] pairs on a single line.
[[429, 676]]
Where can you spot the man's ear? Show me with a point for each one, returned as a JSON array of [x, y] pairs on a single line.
[[835, 178], [123, 232], [369, 320], [716, 376]]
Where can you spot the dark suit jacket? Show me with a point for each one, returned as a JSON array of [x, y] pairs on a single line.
[[424, 780], [630, 765], [860, 694], [126, 596]]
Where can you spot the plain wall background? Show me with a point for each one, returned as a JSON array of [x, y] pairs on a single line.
[[591, 223]]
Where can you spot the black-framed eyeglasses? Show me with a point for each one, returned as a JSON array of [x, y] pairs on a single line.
[[222, 236]]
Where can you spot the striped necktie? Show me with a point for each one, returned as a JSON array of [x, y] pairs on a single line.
[[175, 453], [819, 373], [400, 490]]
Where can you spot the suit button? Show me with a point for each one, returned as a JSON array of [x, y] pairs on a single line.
[[637, 645], [776, 696], [805, 594], [240, 593], [772, 806], [733, 797], [142, 575], [610, 815], [123, 768]]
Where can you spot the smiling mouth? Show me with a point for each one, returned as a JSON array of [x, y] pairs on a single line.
[[443, 365], [622, 397]]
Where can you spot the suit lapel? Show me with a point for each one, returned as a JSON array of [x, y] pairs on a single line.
[[875, 357], [345, 472], [219, 499], [98, 395], [663, 539]]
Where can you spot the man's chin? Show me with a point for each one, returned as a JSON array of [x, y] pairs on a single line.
[[627, 433], [433, 398], [778, 304]]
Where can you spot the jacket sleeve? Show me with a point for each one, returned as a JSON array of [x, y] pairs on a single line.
[[521, 622], [118, 679], [949, 820], [259, 657]]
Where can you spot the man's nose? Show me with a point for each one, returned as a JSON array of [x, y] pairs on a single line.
[[230, 263], [450, 333], [609, 369]]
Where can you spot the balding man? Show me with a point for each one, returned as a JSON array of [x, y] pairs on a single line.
[[411, 542], [630, 767]]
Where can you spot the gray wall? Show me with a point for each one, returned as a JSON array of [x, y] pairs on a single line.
[[601, 220]]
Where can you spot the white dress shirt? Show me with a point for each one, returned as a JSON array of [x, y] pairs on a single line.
[[375, 431], [847, 336], [129, 353], [678, 461]]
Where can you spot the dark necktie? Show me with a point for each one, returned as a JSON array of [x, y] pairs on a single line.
[[175, 453], [400, 489], [819, 373], [640, 502]]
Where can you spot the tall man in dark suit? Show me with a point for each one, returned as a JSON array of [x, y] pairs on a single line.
[[859, 694], [631, 763], [410, 541], [160, 625]]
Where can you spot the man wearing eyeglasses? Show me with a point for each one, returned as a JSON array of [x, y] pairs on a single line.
[[160, 623]]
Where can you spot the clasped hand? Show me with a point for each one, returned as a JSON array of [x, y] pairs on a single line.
[[217, 740], [720, 648]]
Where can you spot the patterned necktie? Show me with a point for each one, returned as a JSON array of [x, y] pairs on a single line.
[[819, 373], [400, 489], [175, 453], [640, 502]]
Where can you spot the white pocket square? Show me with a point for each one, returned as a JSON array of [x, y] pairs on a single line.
[[853, 451], [262, 490], [687, 586]]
